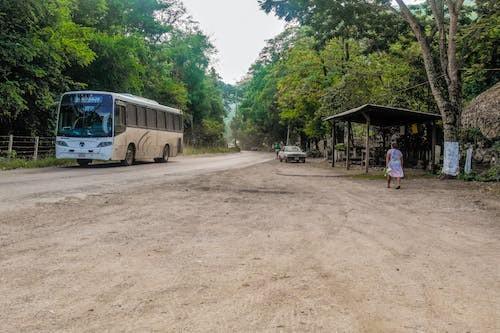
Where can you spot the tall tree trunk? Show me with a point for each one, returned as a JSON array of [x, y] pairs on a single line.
[[449, 100], [347, 54]]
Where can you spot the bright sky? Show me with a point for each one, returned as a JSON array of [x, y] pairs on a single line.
[[238, 29]]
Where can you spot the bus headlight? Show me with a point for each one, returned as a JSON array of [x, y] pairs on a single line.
[[105, 144], [62, 143]]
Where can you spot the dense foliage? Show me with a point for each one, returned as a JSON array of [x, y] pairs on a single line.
[[338, 55], [149, 48]]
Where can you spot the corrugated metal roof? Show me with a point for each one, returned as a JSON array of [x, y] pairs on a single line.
[[384, 115]]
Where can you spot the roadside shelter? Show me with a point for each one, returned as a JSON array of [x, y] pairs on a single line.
[[381, 116]]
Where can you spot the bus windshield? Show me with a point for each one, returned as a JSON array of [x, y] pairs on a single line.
[[86, 115]]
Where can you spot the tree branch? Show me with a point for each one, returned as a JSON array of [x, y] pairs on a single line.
[[452, 70], [430, 68], [438, 13]]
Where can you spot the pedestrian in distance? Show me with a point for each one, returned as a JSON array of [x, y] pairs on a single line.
[[277, 148], [394, 163]]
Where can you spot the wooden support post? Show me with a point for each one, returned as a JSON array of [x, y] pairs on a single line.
[[367, 143], [35, 154], [333, 143], [433, 145], [9, 149], [367, 157], [348, 147], [383, 139]]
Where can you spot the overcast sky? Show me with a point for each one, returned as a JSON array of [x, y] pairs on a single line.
[[238, 29]]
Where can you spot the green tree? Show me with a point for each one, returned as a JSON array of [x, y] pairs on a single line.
[[376, 78], [347, 20], [258, 120], [479, 43], [288, 85], [300, 88], [436, 31], [150, 48], [38, 42]]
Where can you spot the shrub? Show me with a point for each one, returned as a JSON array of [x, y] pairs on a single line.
[[340, 147], [490, 175], [20, 163]]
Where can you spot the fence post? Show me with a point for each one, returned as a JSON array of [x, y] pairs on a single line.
[[11, 143], [35, 154]]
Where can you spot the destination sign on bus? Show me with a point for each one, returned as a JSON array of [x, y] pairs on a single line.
[[86, 99]]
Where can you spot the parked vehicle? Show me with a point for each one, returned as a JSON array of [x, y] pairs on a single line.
[[104, 126], [292, 154]]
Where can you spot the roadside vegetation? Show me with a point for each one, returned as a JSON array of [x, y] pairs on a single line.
[[432, 57], [209, 150], [150, 48], [490, 175], [20, 163]]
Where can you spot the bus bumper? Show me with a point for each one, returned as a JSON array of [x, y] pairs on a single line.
[[97, 154]]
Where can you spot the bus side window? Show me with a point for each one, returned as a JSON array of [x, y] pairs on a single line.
[[119, 119], [177, 123], [131, 115], [170, 122], [151, 118], [141, 117], [160, 119]]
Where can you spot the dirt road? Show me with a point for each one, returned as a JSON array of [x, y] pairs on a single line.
[[23, 188], [270, 247]]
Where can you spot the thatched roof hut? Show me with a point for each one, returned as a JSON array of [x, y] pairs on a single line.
[[484, 113]]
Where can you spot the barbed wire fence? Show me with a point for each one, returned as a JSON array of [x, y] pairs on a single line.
[[27, 147]]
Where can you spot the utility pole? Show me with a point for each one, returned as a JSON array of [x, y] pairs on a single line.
[[288, 135]]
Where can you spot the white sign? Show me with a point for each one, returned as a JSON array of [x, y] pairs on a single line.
[[451, 159], [468, 161]]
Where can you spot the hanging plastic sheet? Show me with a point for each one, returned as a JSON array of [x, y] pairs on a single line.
[[451, 159], [468, 161]]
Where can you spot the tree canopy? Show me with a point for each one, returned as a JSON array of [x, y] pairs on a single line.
[[338, 55], [150, 48]]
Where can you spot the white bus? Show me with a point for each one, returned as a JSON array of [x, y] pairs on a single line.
[[103, 126]]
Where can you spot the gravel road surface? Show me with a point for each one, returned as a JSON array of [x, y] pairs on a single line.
[[221, 244], [23, 188]]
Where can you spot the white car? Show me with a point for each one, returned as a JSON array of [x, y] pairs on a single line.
[[292, 154]]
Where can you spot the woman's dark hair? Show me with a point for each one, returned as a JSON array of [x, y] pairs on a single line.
[[394, 145]]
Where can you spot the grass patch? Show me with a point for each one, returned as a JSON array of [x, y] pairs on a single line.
[[209, 150], [19, 163]]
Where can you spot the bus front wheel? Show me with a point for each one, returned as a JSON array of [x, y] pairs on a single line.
[[129, 156], [83, 163]]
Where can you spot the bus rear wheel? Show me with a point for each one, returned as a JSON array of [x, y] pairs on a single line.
[[129, 156], [165, 156], [83, 163], [179, 146]]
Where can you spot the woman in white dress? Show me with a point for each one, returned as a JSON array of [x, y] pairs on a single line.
[[394, 162]]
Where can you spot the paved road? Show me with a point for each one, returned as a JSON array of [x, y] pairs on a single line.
[[22, 188]]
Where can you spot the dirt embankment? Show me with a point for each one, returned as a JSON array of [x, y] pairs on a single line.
[[272, 247]]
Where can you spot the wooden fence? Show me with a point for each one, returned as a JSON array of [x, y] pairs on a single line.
[[27, 147]]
